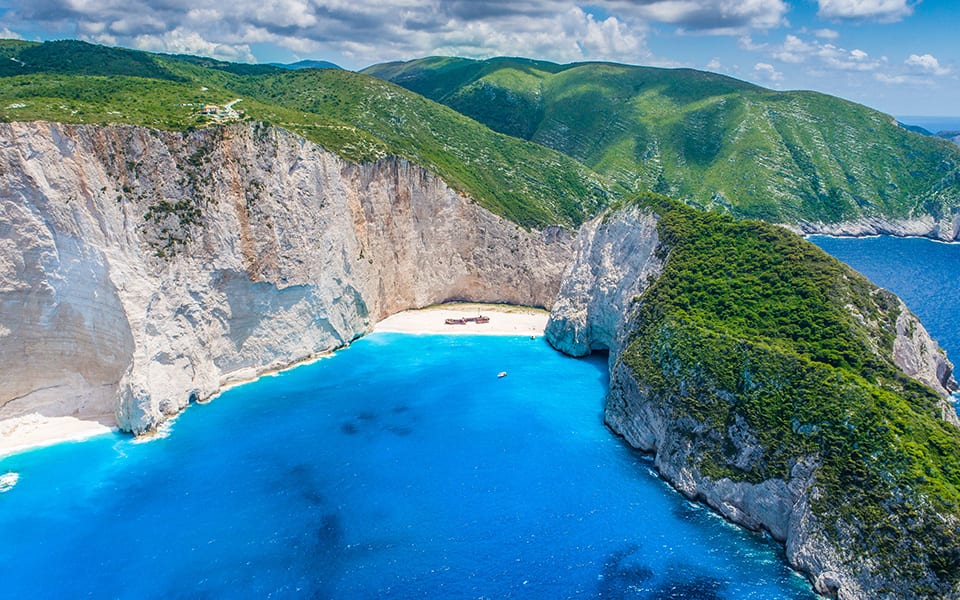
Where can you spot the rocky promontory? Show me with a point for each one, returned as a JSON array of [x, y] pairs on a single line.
[[724, 366]]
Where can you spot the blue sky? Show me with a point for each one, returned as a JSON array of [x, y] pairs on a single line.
[[900, 56]]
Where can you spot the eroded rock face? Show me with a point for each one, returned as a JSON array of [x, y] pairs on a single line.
[[946, 228], [920, 357], [142, 269], [615, 260]]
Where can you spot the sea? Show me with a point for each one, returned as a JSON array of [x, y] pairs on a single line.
[[400, 467], [404, 467], [932, 124]]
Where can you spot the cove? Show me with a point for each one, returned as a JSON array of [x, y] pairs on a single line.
[[399, 467]]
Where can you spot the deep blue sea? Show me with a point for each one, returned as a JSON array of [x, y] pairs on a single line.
[[401, 467], [933, 124]]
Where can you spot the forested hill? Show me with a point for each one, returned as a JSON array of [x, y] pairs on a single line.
[[714, 141]]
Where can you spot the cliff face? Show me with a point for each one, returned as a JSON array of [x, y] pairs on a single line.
[[144, 269], [615, 261], [945, 228], [715, 459]]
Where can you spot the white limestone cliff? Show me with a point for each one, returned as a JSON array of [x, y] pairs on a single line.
[[615, 260], [945, 228], [142, 269]]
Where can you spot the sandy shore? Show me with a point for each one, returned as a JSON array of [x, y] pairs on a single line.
[[35, 431], [504, 320]]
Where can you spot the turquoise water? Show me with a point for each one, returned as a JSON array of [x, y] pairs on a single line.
[[401, 467]]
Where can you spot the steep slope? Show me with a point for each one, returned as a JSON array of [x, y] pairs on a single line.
[[771, 383], [140, 269], [358, 117], [799, 158]]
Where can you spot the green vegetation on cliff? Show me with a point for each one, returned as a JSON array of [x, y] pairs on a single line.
[[752, 333], [359, 117], [711, 140]]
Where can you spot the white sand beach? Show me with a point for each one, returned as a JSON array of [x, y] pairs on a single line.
[[504, 320], [35, 431]]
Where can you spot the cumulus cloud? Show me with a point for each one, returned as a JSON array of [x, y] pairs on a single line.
[[794, 50], [824, 55], [884, 11], [712, 16], [9, 35], [179, 41], [767, 72], [365, 31], [827, 34], [903, 79], [926, 63]]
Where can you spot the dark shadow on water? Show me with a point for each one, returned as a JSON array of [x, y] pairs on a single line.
[[627, 575], [399, 430], [699, 587], [624, 576], [301, 478], [398, 422]]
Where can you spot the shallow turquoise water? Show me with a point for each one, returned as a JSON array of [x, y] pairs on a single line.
[[401, 467]]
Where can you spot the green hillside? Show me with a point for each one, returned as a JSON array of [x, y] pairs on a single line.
[[357, 116], [711, 140]]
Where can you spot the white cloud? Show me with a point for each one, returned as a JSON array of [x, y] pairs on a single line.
[[714, 65], [821, 55], [746, 43], [926, 63], [767, 72], [365, 31], [843, 60], [827, 34], [884, 11], [713, 16], [9, 35], [902, 79], [179, 41], [794, 50]]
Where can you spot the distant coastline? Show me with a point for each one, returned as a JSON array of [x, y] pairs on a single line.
[[931, 124]]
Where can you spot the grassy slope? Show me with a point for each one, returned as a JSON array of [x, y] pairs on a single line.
[[751, 322], [714, 141], [359, 117]]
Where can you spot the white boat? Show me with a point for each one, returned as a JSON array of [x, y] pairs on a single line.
[[8, 480]]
